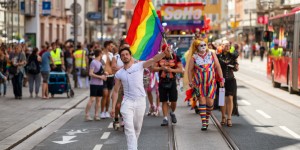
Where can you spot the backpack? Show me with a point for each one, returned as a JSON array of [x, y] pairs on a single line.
[[33, 66]]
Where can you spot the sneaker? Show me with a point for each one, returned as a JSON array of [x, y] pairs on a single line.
[[165, 123], [173, 117], [204, 127], [87, 118], [96, 118], [107, 115], [103, 116]]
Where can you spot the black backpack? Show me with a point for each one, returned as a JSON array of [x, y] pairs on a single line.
[[33, 66]]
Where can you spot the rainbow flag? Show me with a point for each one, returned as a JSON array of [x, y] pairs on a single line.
[[145, 32]]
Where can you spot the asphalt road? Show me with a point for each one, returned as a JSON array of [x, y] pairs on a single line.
[[265, 121]]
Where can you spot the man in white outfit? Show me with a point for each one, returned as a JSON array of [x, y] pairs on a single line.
[[134, 102]]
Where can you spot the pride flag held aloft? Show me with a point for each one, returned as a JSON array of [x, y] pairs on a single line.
[[145, 32]]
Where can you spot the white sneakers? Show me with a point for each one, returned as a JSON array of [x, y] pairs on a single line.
[[107, 115], [104, 115]]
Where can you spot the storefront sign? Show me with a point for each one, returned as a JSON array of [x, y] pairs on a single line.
[[183, 16]]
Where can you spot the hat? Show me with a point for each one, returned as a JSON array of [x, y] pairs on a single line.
[[163, 48]]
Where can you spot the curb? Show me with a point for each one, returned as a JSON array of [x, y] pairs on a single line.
[[21, 135], [268, 89]]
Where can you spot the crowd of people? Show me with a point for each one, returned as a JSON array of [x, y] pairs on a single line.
[[111, 73]]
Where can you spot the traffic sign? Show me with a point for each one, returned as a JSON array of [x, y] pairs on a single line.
[[78, 8], [78, 20], [94, 16], [46, 9]]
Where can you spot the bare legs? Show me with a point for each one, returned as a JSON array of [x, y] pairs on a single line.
[[227, 108], [45, 91], [89, 105]]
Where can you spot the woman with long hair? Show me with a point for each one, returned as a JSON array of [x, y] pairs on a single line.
[[33, 72], [202, 69], [229, 64]]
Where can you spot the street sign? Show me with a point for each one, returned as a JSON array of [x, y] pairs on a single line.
[[78, 8], [94, 16], [46, 8], [78, 21], [22, 7]]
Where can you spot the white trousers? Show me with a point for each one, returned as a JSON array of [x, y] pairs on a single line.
[[133, 114]]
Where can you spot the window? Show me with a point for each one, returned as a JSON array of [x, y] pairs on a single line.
[[213, 17], [213, 2], [203, 1]]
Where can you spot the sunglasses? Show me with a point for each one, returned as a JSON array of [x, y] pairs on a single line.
[[202, 45]]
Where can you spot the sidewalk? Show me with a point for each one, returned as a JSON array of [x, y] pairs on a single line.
[[20, 118]]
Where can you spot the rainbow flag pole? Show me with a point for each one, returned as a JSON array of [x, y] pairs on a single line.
[[145, 32]]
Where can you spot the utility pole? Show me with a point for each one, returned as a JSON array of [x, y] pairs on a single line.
[[12, 18], [75, 40], [250, 37], [18, 18], [118, 25], [102, 20], [75, 24]]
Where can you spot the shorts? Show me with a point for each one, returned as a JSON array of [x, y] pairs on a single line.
[[109, 83], [96, 90], [230, 87], [45, 76], [170, 94]]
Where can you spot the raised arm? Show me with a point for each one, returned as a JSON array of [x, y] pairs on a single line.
[[157, 57]]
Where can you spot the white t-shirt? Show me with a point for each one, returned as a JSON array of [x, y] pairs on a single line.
[[119, 61], [132, 81], [110, 55]]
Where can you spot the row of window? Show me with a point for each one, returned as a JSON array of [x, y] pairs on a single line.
[[158, 3]]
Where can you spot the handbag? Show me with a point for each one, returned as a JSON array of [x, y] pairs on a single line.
[[221, 96], [83, 72]]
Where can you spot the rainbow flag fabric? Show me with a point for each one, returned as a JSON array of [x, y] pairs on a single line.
[[145, 32]]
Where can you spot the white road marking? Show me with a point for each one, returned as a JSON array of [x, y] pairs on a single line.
[[66, 140], [245, 102], [110, 125], [105, 135], [297, 136], [98, 147], [263, 114]]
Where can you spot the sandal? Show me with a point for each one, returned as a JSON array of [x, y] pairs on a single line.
[[229, 124], [223, 121]]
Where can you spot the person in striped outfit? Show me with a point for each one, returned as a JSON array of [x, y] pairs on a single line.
[[201, 75]]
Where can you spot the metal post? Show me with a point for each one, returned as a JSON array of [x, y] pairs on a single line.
[[74, 24], [12, 18], [102, 20], [250, 37], [118, 25], [19, 18], [5, 22], [75, 41]]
